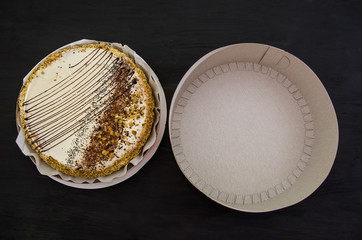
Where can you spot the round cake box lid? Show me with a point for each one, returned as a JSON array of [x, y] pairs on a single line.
[[253, 128]]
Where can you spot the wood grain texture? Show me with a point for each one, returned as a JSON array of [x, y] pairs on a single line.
[[159, 202]]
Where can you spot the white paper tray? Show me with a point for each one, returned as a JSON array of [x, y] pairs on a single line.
[[253, 128], [136, 164]]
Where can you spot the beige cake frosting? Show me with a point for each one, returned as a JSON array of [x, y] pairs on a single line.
[[87, 110]]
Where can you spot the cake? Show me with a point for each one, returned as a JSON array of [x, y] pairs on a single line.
[[87, 110]]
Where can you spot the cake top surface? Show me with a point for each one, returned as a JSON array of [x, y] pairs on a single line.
[[86, 107]]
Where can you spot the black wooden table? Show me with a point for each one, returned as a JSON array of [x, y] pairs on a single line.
[[159, 202]]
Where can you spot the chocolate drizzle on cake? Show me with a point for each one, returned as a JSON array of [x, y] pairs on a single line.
[[97, 84]]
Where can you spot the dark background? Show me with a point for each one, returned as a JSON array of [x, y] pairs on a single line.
[[159, 202]]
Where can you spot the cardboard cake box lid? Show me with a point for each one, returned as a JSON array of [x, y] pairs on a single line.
[[135, 164], [253, 128]]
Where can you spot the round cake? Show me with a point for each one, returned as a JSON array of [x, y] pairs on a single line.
[[87, 110]]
